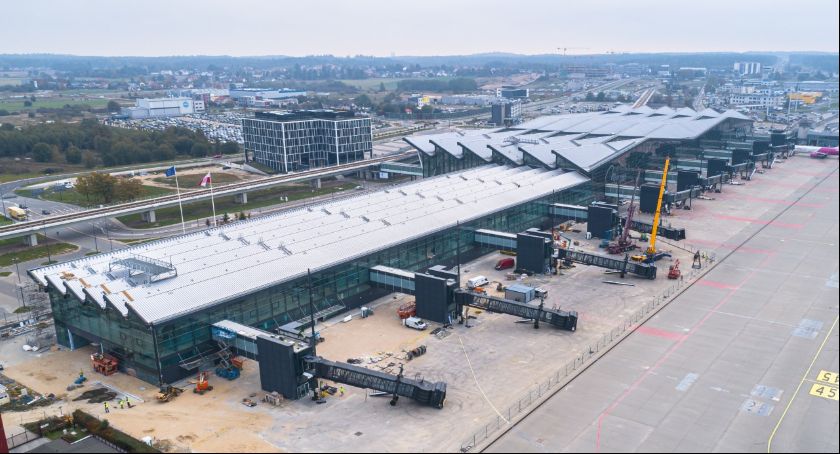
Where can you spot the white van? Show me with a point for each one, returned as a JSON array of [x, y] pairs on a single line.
[[477, 281], [416, 323]]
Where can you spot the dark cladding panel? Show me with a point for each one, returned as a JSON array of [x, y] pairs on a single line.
[[648, 195], [687, 179], [279, 370], [760, 146], [431, 298], [715, 167], [600, 220], [740, 155], [778, 139], [532, 253]]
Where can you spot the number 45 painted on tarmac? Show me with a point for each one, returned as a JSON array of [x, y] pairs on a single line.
[[824, 389]]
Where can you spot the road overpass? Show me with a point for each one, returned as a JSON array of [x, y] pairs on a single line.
[[149, 205]]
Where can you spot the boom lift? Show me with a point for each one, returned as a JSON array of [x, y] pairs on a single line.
[[624, 243]]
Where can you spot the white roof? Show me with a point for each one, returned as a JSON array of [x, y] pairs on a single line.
[[592, 139], [224, 263]]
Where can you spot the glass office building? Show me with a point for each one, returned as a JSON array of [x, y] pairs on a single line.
[[307, 139], [165, 349]]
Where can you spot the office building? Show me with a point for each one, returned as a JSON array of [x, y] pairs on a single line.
[[290, 141]]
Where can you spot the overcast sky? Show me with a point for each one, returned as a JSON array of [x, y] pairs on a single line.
[[417, 27]]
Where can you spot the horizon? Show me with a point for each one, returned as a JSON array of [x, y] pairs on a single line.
[[378, 28]]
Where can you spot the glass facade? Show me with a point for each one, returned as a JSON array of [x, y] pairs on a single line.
[[142, 349], [295, 142]]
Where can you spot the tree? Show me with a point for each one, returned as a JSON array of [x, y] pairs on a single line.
[[128, 190], [590, 96], [199, 149], [229, 148], [113, 106], [363, 101], [381, 86], [27, 103], [89, 159], [99, 186], [42, 152]]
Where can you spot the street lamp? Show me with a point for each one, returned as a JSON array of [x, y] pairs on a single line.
[[20, 285]]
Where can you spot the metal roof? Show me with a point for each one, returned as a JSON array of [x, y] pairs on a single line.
[[224, 263], [587, 140]]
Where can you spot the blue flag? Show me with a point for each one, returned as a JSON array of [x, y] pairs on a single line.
[[170, 172]]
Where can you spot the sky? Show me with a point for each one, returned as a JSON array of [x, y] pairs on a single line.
[[418, 27]]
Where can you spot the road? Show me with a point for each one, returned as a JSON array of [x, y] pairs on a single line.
[[733, 364]]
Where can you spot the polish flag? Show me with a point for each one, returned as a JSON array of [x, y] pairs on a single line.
[[205, 181]]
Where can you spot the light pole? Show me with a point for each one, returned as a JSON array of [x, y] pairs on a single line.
[[47, 241], [20, 285]]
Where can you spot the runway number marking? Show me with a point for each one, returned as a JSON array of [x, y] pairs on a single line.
[[825, 391], [832, 378]]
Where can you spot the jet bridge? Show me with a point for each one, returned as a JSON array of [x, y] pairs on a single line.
[[289, 366], [560, 319]]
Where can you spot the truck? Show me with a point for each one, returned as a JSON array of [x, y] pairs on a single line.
[[16, 213]]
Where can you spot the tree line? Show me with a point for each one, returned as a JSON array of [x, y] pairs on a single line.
[[92, 143]]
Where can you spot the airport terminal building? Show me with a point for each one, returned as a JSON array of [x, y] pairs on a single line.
[[307, 139], [151, 305]]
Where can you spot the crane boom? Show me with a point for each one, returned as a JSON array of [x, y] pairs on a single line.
[[652, 248]]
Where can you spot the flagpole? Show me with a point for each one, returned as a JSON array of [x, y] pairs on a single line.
[[180, 207], [212, 202]]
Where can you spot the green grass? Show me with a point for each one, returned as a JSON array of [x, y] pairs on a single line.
[[92, 253], [73, 197], [373, 84], [6, 177], [256, 199], [51, 103], [193, 181], [36, 252], [23, 310], [138, 241], [4, 220], [5, 273]]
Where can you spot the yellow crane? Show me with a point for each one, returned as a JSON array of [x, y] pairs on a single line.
[[651, 250]]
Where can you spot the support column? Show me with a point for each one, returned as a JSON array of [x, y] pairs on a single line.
[[31, 239], [148, 216], [241, 198], [316, 183]]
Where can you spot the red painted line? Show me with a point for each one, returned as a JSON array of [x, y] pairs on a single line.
[[777, 201], [716, 284], [656, 332], [760, 221], [668, 354]]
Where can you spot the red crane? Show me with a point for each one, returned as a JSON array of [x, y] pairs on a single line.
[[624, 242]]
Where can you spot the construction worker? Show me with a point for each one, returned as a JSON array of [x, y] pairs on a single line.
[[106, 408], [121, 404], [128, 401], [341, 390]]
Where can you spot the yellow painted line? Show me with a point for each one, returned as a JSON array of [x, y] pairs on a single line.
[[829, 377], [804, 376], [824, 391]]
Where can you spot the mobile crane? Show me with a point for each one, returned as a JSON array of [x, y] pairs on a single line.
[[651, 255], [624, 242]]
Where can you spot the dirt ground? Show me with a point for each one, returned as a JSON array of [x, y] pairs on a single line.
[[187, 175], [487, 367]]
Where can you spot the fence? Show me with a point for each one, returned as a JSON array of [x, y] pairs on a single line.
[[21, 439], [570, 369]]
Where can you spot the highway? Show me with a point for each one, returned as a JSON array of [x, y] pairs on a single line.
[[28, 227]]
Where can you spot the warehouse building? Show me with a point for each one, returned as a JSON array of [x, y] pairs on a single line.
[[290, 141], [163, 107], [152, 305]]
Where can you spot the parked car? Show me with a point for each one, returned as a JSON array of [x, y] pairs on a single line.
[[45, 212]]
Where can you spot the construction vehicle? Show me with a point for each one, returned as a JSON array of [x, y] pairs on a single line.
[[168, 393], [202, 385], [407, 310], [624, 242], [652, 255], [104, 364], [674, 270]]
